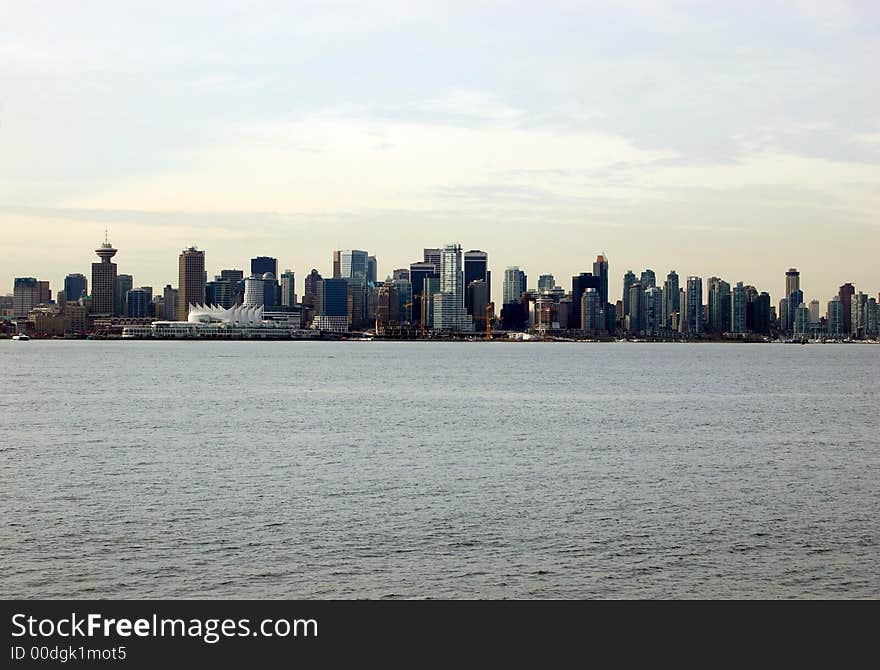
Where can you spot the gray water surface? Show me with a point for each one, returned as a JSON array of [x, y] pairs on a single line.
[[440, 470]]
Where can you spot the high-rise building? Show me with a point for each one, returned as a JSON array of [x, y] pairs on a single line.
[[432, 256], [476, 268], [652, 311], [219, 292], [633, 319], [75, 287], [792, 281], [579, 284], [600, 270], [859, 315], [190, 281], [514, 285], [814, 311], [312, 291], [104, 280], [834, 325], [739, 307], [254, 291], [692, 310], [337, 264], [26, 296], [845, 293], [263, 264], [719, 305], [353, 265], [648, 279], [801, 323], [591, 322], [403, 290], [400, 273], [449, 311], [169, 298], [122, 285], [478, 292], [236, 285], [372, 268], [430, 289], [418, 273], [671, 303], [872, 329], [334, 305], [288, 288], [628, 280], [137, 302]]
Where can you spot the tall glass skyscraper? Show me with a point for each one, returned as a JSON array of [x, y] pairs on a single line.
[[692, 310], [514, 285], [75, 285], [476, 268], [449, 311]]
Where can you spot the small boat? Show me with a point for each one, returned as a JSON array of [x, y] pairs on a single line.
[[21, 337]]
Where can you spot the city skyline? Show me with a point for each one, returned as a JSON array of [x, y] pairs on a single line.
[[715, 139]]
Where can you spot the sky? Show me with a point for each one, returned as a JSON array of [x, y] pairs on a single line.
[[730, 139]]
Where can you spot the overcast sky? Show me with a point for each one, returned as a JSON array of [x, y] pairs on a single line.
[[714, 138]]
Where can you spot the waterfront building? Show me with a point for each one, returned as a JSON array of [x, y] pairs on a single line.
[[739, 307], [801, 323], [859, 315], [514, 285], [592, 323], [190, 281], [353, 266], [671, 299], [372, 268], [692, 309], [169, 299], [403, 289], [219, 293], [122, 285], [449, 311], [333, 315], [236, 284], [430, 288], [579, 284], [633, 325], [600, 270], [288, 288], [75, 287], [418, 273], [137, 302], [478, 294], [834, 324], [845, 293], [872, 329], [652, 311], [26, 296], [719, 305], [254, 291], [628, 280], [387, 315], [263, 264], [104, 281], [814, 311], [476, 268]]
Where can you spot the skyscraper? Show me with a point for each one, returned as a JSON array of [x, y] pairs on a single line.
[[104, 280], [121, 286], [792, 282], [845, 293], [334, 305], [719, 305], [633, 319], [26, 295], [75, 286], [834, 326], [692, 316], [432, 256], [137, 302], [478, 290], [288, 288], [739, 309], [600, 270], [418, 273], [648, 279], [514, 285], [263, 264], [628, 280], [449, 312], [476, 268], [579, 284], [190, 281], [671, 302], [372, 268], [169, 295]]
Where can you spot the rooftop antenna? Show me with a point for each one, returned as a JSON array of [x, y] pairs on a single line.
[[106, 235]]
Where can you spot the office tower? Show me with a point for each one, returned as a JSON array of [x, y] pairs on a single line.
[[334, 305], [633, 325], [546, 283], [784, 317], [75, 287], [26, 296], [232, 276], [814, 311], [671, 298], [190, 281], [403, 289], [579, 284], [801, 322], [628, 280], [271, 291], [312, 290], [337, 264], [104, 280], [834, 326], [254, 291], [219, 292], [859, 315], [648, 279], [739, 307], [357, 295], [122, 285], [263, 264], [845, 293], [137, 302], [478, 295], [792, 282], [169, 298], [600, 270], [387, 304], [372, 270], [449, 311], [288, 288], [591, 324], [692, 310], [418, 273], [430, 289], [432, 256], [514, 285], [795, 300], [353, 265], [236, 285], [400, 273], [872, 328], [476, 268], [719, 305], [651, 320]]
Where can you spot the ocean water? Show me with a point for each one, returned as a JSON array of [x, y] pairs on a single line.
[[439, 470]]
